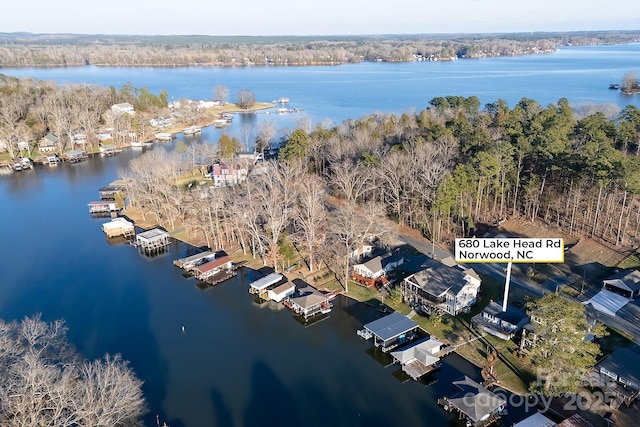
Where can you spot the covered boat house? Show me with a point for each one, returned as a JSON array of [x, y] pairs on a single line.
[[419, 357], [281, 292], [390, 331], [308, 302], [213, 267], [153, 241], [479, 406], [118, 227], [259, 286], [192, 261]]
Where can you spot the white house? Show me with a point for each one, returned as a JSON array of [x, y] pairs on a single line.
[[361, 252], [444, 286], [123, 108], [379, 266]]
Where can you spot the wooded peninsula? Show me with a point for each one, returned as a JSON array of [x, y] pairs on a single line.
[[64, 50]]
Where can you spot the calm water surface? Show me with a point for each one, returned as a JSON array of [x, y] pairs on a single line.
[[238, 364]]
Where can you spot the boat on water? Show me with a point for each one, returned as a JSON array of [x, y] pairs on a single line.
[[281, 101]]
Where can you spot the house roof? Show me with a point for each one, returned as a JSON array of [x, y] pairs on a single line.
[[475, 401], [512, 315], [623, 362], [215, 263], [308, 297], [575, 421], [437, 278], [391, 326], [627, 279], [380, 262], [51, 138]]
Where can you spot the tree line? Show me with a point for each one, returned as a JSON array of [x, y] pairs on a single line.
[[33, 50], [443, 171]]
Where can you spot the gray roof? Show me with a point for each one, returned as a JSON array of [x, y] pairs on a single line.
[[380, 262], [51, 138], [438, 278], [421, 350], [512, 315], [475, 401], [623, 362], [631, 279], [195, 257], [391, 326], [308, 297]]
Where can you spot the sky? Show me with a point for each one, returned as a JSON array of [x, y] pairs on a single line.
[[321, 17]]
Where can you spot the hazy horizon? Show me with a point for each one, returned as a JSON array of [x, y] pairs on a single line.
[[332, 18]]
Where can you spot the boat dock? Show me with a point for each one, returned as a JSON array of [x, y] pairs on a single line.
[[191, 130], [152, 241], [259, 286], [163, 136], [119, 227], [192, 261], [74, 156]]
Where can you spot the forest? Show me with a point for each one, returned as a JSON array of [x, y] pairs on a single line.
[[63, 50], [445, 171]]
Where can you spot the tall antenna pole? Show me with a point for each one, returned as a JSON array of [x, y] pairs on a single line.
[[506, 288]]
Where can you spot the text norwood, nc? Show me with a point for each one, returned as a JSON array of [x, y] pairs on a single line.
[[510, 250]]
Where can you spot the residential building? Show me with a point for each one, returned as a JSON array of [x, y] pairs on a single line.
[[618, 374], [502, 324], [625, 283], [123, 108], [48, 144], [441, 287]]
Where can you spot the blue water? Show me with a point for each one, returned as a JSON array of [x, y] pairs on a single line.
[[238, 364]]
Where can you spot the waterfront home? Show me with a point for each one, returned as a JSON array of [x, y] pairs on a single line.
[[390, 331], [249, 157], [224, 175], [123, 108], [374, 271], [307, 302], [625, 283], [259, 286], [48, 144], [210, 268], [281, 292], [618, 374], [441, 287], [419, 357], [472, 401], [118, 227], [499, 323]]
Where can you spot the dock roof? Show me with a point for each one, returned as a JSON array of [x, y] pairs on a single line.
[[208, 266], [475, 401], [154, 233], [391, 326], [266, 281], [309, 297], [196, 257], [421, 351]]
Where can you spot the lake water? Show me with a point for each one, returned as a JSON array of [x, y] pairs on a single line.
[[237, 364]]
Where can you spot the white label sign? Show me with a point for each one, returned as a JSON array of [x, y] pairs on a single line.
[[510, 250]]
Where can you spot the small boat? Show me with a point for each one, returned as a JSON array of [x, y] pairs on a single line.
[[614, 86]]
